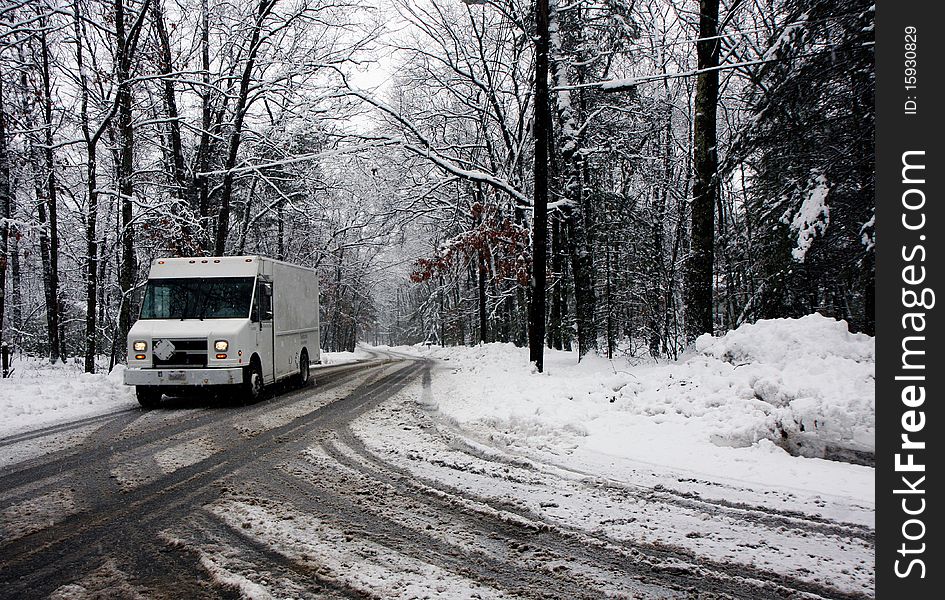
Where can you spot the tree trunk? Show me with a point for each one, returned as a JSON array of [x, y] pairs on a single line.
[[536, 313], [201, 183], [483, 302], [334, 322], [176, 162], [239, 113], [102, 283], [608, 283], [441, 313], [16, 286], [91, 244], [126, 41], [6, 204], [699, 318], [125, 170], [91, 217], [555, 335], [576, 211], [582, 270], [48, 214]]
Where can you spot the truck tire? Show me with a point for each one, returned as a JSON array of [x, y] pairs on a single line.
[[149, 396], [252, 387], [302, 378]]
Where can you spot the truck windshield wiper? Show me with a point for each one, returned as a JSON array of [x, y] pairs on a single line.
[[183, 313], [203, 307]]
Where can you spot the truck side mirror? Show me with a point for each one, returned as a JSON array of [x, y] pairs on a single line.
[[256, 310], [262, 304], [266, 305]]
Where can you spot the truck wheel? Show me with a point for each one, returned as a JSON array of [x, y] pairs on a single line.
[[252, 382], [304, 370], [149, 396]]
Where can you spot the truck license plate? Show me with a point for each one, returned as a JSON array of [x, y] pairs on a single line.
[[176, 376]]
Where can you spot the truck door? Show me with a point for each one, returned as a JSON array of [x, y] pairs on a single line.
[[262, 315]]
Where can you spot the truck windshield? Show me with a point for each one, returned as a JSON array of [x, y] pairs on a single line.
[[198, 298]]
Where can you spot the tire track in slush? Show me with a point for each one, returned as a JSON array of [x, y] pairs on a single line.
[[205, 530], [644, 563], [131, 525], [423, 547], [57, 463], [771, 517], [64, 427], [44, 560], [731, 578]]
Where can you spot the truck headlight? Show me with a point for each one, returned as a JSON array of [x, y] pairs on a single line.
[[221, 345], [140, 346]]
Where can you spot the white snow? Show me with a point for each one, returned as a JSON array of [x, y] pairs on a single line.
[[364, 566], [247, 589], [341, 358], [868, 234], [816, 374], [688, 454], [39, 393], [695, 455], [730, 411], [812, 217]]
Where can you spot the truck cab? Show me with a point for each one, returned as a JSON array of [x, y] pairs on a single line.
[[238, 321]]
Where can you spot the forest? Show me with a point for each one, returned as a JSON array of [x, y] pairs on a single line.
[[604, 176]]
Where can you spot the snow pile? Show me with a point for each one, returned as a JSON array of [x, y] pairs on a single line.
[[816, 375], [342, 357], [729, 409], [39, 393]]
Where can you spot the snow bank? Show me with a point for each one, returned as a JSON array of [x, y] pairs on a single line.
[[816, 375], [341, 358], [39, 393], [731, 408]]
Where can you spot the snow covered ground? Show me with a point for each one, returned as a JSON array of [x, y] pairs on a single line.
[[342, 358], [736, 406], [703, 455], [729, 409], [721, 463], [40, 394]]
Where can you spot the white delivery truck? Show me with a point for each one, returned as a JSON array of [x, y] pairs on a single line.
[[245, 321]]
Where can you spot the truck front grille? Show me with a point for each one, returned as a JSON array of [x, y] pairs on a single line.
[[187, 353]]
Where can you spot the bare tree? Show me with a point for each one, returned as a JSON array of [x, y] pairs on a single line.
[[47, 197], [6, 205], [256, 39], [126, 44]]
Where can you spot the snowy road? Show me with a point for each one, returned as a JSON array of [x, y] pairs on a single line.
[[301, 496]]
